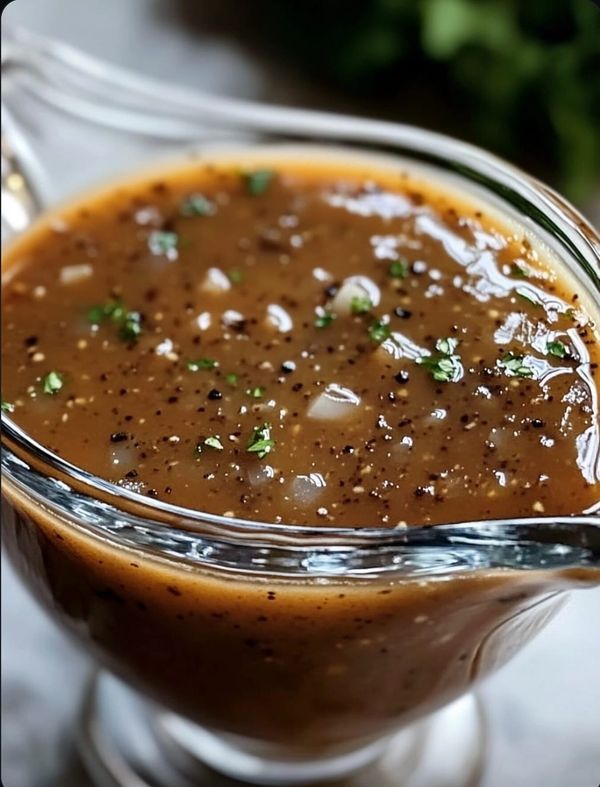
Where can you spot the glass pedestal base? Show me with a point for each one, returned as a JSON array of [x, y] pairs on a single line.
[[125, 741]]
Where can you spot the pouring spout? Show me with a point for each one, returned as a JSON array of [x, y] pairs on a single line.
[[569, 545]]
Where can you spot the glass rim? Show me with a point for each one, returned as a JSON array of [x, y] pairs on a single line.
[[515, 188]]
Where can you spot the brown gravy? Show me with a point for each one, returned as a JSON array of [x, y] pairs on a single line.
[[189, 311], [306, 346]]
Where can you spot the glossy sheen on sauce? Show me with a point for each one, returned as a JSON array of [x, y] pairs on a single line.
[[304, 346]]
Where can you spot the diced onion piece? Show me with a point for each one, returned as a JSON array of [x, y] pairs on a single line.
[[334, 403], [354, 287], [148, 216], [305, 489], [279, 318], [321, 274], [166, 348], [215, 282], [232, 318], [203, 321], [72, 274]]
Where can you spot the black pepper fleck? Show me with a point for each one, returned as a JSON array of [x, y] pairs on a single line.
[[118, 437]]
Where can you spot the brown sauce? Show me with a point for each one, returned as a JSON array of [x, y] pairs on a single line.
[[119, 350], [306, 664], [304, 346]]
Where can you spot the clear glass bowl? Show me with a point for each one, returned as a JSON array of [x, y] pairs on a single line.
[[282, 655]]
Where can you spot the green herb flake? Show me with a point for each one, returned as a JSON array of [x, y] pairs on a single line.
[[444, 366], [196, 205], [236, 276], [515, 366], [209, 442], [447, 346], [557, 348], [96, 315], [324, 319], [163, 244], [232, 379], [257, 182], [201, 363], [443, 369], [518, 271], [571, 314], [7, 407], [131, 327], [52, 383], [398, 269], [379, 331], [110, 310], [129, 322], [256, 393], [261, 443], [361, 304]]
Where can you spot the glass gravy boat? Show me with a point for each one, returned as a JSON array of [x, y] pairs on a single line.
[[278, 655]]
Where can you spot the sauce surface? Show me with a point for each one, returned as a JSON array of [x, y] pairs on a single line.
[[305, 346]]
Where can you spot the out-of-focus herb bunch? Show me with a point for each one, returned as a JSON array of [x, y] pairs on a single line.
[[521, 77]]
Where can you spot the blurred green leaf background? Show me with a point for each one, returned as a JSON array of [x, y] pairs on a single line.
[[521, 77]]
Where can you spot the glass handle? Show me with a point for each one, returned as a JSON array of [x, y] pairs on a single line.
[[75, 83], [77, 119], [70, 120], [89, 120], [20, 202]]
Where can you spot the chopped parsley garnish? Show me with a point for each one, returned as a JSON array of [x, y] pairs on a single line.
[[444, 366], [209, 442], [261, 443], [379, 331], [515, 365], [361, 304], [398, 269], [163, 243], [518, 271], [557, 348], [131, 327], [7, 407], [447, 346], [236, 276], [444, 369], [201, 363], [128, 322], [97, 314], [196, 205], [258, 181], [256, 393], [52, 383], [232, 379], [324, 319], [571, 314]]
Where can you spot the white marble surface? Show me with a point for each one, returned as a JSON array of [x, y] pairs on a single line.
[[543, 708]]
